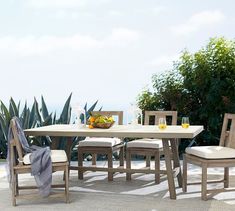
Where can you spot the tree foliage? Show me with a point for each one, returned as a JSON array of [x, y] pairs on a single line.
[[200, 85]]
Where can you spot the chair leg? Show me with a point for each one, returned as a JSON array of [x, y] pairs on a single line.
[[204, 182], [94, 158], [128, 164], [157, 167], [185, 173], [110, 166], [16, 185], [121, 156], [226, 177], [80, 164], [148, 160], [67, 184], [13, 188]]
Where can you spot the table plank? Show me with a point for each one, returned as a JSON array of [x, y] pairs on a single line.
[[117, 131]]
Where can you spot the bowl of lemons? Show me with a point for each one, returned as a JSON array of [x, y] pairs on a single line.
[[101, 121]]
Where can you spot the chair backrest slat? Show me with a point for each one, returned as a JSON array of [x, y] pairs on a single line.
[[17, 143], [119, 114], [227, 137], [160, 114]]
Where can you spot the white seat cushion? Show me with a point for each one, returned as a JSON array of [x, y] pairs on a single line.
[[211, 152], [100, 142], [56, 157], [146, 143]]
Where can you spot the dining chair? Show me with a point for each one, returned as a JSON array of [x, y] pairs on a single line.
[[20, 164], [213, 157], [100, 145], [149, 147]]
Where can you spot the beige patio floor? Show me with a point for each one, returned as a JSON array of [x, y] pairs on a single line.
[[96, 193]]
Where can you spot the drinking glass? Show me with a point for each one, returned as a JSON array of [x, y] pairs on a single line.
[[135, 116], [78, 116], [185, 122], [162, 123]]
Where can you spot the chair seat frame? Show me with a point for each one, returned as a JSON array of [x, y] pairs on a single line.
[[227, 140]]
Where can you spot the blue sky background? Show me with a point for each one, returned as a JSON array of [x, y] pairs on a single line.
[[102, 50]]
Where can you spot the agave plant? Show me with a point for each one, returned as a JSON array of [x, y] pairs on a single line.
[[35, 117], [5, 117]]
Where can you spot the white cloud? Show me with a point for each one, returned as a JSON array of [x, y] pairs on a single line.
[[62, 14], [158, 9], [163, 61], [198, 21], [120, 36], [31, 45], [55, 3], [61, 3], [115, 13], [139, 11]]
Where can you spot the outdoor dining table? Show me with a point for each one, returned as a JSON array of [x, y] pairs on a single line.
[[170, 134]]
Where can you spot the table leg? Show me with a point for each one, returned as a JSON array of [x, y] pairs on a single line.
[[55, 142], [68, 153], [170, 177], [68, 148], [176, 160], [121, 156]]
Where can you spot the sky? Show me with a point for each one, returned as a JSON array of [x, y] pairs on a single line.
[[105, 50]]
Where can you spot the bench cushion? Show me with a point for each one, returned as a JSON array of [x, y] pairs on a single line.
[[211, 152], [57, 156], [100, 142], [145, 143]]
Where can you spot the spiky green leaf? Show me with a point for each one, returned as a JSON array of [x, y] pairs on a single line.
[[13, 110], [54, 119], [5, 112], [88, 113], [66, 112], [3, 126], [44, 109], [32, 116], [48, 120], [38, 118]]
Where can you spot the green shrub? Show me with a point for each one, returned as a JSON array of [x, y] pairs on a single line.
[[200, 85]]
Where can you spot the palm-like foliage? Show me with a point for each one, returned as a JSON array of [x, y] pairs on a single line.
[[35, 116]]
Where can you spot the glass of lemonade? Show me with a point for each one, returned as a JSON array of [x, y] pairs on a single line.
[[162, 123], [185, 122]]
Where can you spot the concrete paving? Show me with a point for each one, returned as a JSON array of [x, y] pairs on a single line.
[[96, 193]]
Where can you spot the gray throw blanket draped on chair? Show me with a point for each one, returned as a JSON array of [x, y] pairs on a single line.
[[40, 159]]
